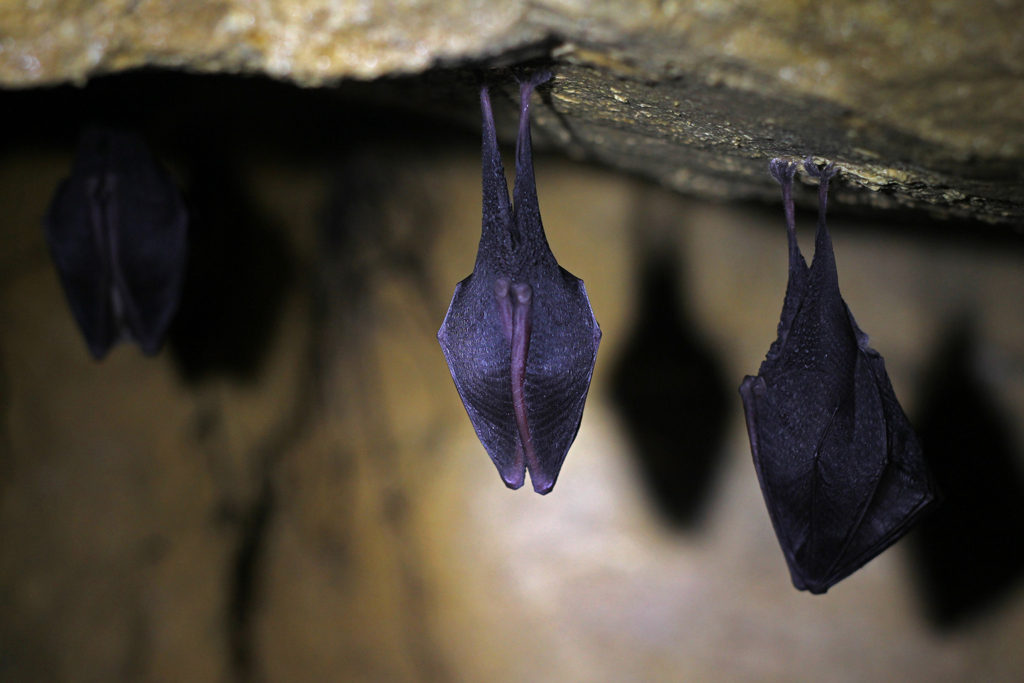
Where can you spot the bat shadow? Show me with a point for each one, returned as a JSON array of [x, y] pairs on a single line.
[[367, 240], [239, 270], [670, 392], [968, 553]]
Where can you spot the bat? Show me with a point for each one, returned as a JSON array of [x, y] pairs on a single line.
[[840, 468], [117, 230], [520, 336]]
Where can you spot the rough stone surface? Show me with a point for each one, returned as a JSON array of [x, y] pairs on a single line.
[[918, 101]]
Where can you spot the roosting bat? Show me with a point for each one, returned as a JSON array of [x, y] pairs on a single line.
[[117, 231], [520, 337], [838, 463]]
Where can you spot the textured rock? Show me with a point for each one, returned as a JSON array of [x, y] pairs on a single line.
[[918, 101]]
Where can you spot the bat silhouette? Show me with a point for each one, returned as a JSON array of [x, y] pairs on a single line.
[[117, 232], [839, 465], [520, 337]]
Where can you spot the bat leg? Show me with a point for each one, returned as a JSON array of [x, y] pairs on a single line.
[[524, 192], [823, 241], [496, 208], [824, 175], [522, 295], [783, 172]]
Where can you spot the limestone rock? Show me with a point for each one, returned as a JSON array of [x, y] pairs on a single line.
[[918, 101]]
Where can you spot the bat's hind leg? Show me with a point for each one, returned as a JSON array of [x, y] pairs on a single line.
[[783, 172], [824, 174]]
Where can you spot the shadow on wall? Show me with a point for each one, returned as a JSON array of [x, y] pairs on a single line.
[[239, 270], [366, 238], [670, 391], [969, 553]]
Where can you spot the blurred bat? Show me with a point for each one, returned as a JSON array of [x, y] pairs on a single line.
[[117, 231], [839, 465], [520, 337]]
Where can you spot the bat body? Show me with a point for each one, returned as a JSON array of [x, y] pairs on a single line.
[[839, 465], [117, 230], [520, 337]]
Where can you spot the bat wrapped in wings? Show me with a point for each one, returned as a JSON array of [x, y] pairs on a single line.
[[520, 337], [117, 230], [839, 465]]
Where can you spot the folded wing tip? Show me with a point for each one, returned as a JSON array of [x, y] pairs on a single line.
[[542, 485], [513, 484]]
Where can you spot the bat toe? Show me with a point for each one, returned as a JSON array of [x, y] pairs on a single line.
[[782, 170]]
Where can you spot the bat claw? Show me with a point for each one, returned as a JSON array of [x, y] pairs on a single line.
[[526, 87], [826, 172], [782, 170], [533, 80]]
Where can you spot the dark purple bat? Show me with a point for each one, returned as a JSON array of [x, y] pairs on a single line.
[[839, 465], [520, 337], [117, 231]]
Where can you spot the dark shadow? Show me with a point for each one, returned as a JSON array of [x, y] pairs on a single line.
[[239, 269], [669, 388], [367, 239], [371, 247], [969, 553]]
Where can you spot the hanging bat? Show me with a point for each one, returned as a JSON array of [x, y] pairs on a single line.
[[520, 337], [117, 232], [838, 463]]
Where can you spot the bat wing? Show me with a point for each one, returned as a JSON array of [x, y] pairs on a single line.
[[903, 492], [555, 387], [845, 489], [148, 225], [74, 226], [796, 284], [478, 357], [563, 352], [117, 229]]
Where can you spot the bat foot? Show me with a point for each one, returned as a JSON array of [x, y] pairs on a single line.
[[526, 86], [824, 173], [782, 170], [533, 80]]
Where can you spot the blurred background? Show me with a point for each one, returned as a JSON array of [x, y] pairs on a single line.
[[292, 490]]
